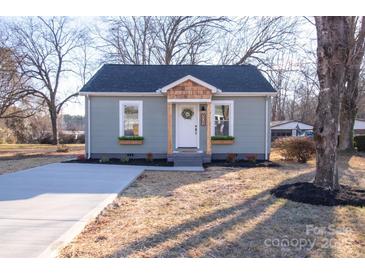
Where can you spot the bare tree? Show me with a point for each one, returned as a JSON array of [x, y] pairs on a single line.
[[252, 39], [361, 101], [349, 104], [332, 51], [13, 99], [183, 39], [159, 40], [45, 48], [129, 40], [292, 75]]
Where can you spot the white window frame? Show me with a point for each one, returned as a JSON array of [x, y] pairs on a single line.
[[229, 103], [122, 104]]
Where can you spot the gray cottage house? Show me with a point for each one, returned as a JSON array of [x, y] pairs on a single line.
[[187, 114]]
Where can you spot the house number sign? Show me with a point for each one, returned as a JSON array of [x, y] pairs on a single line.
[[203, 118]]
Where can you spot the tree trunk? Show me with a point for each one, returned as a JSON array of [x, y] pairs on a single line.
[[351, 91], [348, 115], [53, 116], [331, 58]]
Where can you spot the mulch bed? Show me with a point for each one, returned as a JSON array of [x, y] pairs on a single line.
[[241, 163], [133, 162], [305, 192]]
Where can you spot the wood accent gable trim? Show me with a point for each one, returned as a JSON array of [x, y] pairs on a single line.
[[209, 126], [169, 128]]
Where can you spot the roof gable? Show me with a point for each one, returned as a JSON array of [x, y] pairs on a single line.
[[192, 79], [149, 78]]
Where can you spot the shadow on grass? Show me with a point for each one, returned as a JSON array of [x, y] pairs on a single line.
[[249, 229]]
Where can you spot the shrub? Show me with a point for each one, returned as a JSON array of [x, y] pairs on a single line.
[[67, 138], [300, 149], [359, 142], [62, 148], [149, 157], [45, 139], [104, 159], [80, 139], [251, 158], [231, 157]]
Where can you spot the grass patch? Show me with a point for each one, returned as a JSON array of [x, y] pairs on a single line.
[[33, 146], [17, 151]]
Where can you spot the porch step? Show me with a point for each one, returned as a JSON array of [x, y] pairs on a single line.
[[188, 159]]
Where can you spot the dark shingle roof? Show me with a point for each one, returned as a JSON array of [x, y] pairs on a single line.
[[149, 78]]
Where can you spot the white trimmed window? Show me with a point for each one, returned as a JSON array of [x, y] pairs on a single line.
[[222, 118], [130, 122]]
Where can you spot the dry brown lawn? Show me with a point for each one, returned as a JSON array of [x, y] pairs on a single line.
[[15, 157], [24, 150], [12, 165], [225, 212]]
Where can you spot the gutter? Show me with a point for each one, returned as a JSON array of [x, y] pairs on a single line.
[[266, 126], [88, 127]]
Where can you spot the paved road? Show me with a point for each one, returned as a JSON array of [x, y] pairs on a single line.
[[40, 208]]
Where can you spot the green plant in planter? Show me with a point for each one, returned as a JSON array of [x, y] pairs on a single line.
[[222, 137], [131, 138]]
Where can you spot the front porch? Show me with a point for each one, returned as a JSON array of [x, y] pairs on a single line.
[[189, 122]]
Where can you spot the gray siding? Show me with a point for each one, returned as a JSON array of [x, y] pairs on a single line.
[[248, 127], [105, 125]]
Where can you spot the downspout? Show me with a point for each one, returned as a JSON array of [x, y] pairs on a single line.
[[266, 126], [88, 128]]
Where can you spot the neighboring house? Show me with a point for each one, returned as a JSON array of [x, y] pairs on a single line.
[[290, 128], [177, 109], [359, 127], [297, 128]]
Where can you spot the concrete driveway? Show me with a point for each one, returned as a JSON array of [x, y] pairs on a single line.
[[44, 207]]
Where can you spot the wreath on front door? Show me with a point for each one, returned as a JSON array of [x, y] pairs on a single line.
[[187, 113]]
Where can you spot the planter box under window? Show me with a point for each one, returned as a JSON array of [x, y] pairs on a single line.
[[138, 140], [222, 142], [130, 142]]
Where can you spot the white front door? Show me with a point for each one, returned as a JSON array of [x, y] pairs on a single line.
[[187, 125]]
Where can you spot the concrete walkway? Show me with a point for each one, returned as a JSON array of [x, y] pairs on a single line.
[[44, 207]]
